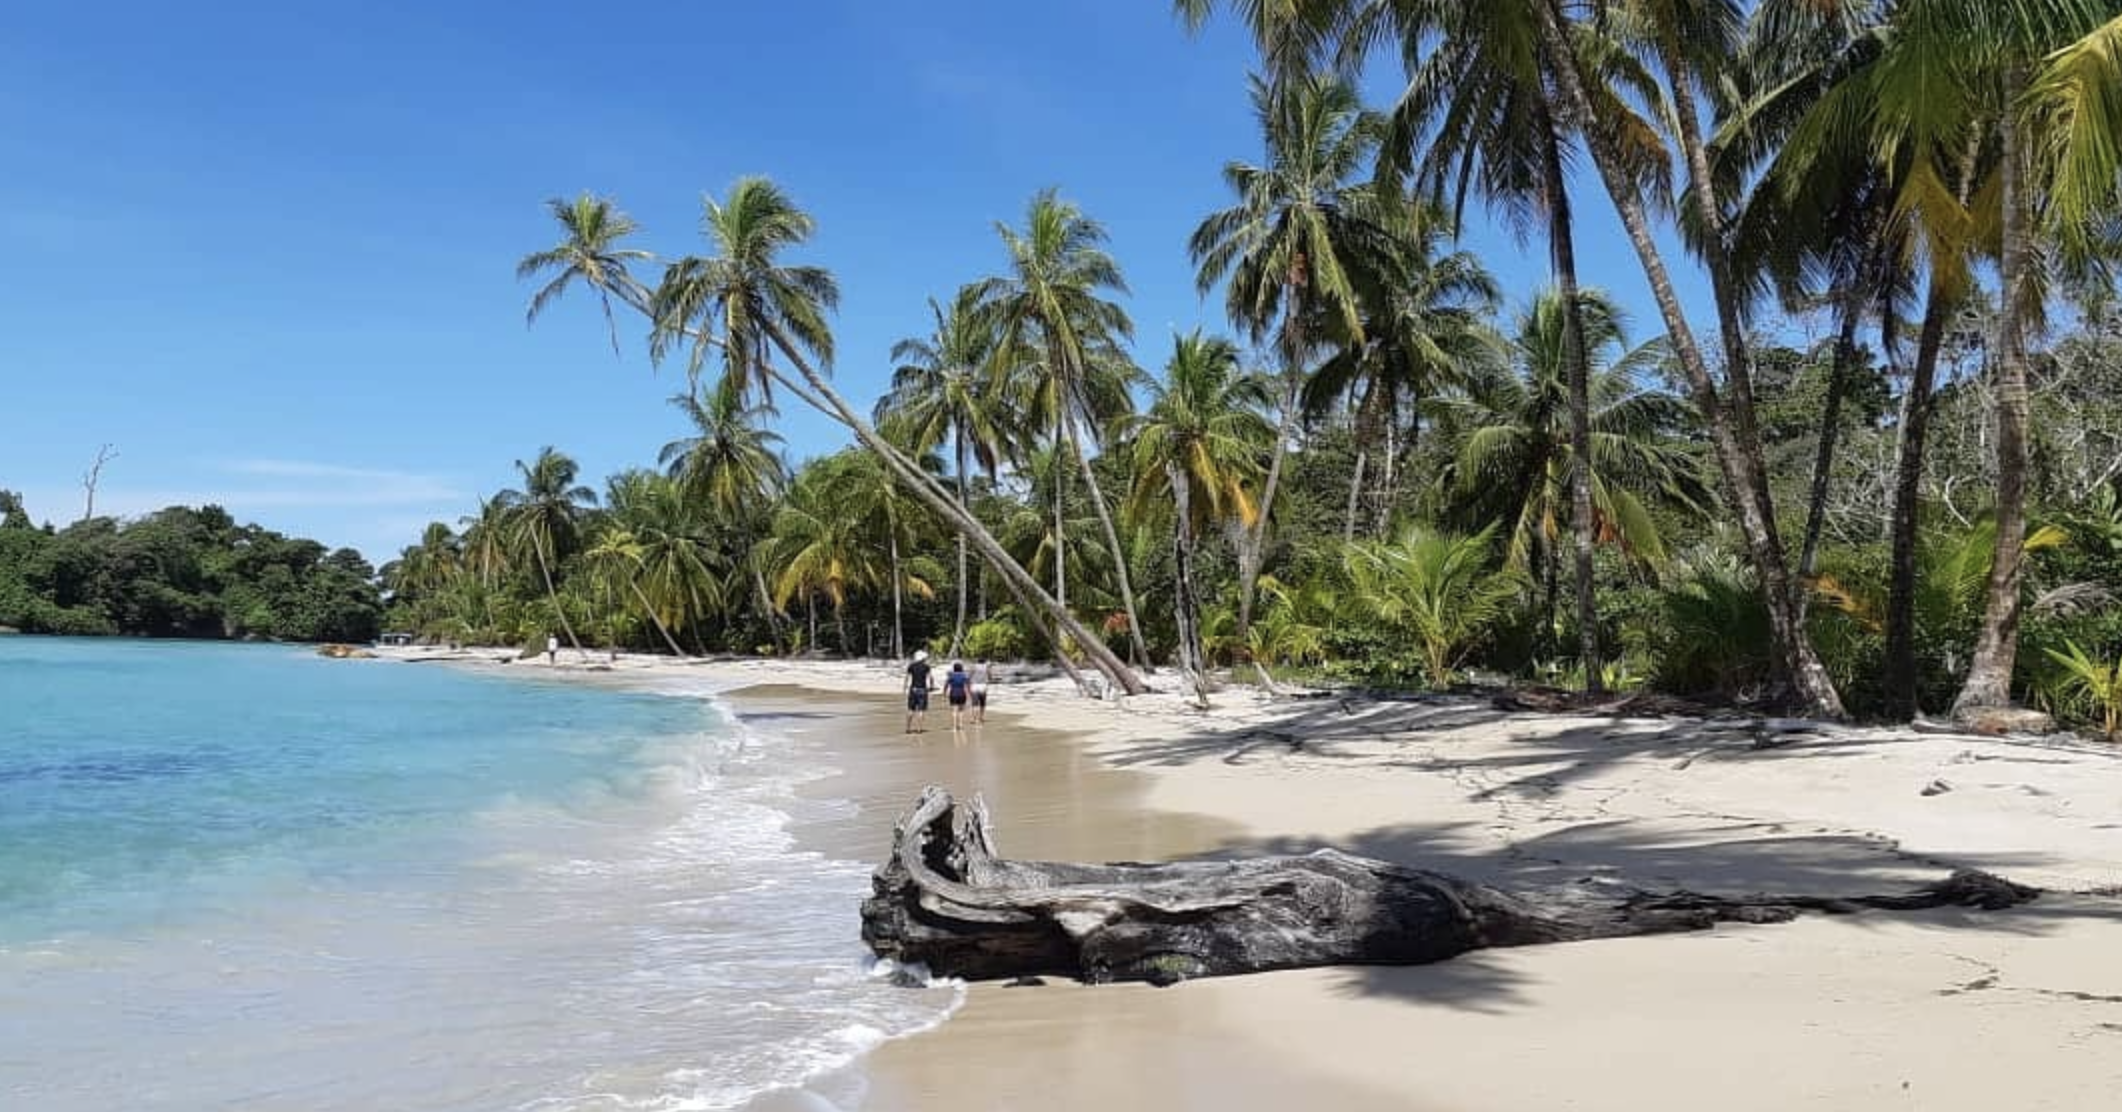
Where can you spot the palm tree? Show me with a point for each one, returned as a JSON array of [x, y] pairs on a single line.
[[732, 464], [1479, 116], [1996, 48], [1517, 455], [675, 567], [1053, 300], [1200, 444], [947, 388], [1976, 110], [763, 307], [545, 517], [589, 251], [1437, 586], [1294, 248], [819, 548], [428, 567], [1427, 328]]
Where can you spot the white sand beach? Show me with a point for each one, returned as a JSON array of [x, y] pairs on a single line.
[[1938, 1010]]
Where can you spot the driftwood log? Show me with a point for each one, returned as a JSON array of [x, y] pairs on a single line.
[[947, 900]]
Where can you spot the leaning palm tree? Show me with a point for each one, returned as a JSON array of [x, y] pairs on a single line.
[[1306, 228], [1199, 449], [1054, 301], [744, 301], [589, 252], [947, 388], [545, 518]]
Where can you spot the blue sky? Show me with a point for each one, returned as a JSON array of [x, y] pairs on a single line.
[[267, 249]]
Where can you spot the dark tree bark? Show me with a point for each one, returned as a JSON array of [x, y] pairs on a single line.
[[1901, 697], [946, 900], [1838, 381]]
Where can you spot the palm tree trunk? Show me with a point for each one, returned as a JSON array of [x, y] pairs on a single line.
[[1060, 519], [957, 637], [1996, 647], [553, 596], [660, 627], [1845, 358], [1397, 456], [1355, 496], [1737, 450], [765, 601], [1901, 696], [1562, 246], [1187, 609], [1364, 429], [821, 396], [1252, 544], [810, 611], [1551, 571], [1137, 646], [898, 626]]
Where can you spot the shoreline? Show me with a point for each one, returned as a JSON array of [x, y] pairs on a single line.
[[1916, 1011]]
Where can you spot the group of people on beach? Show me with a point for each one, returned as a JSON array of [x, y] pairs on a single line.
[[963, 689]]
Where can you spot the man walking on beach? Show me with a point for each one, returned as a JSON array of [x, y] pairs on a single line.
[[552, 649], [917, 689]]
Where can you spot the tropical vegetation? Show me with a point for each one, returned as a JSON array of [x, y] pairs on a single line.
[[1879, 476]]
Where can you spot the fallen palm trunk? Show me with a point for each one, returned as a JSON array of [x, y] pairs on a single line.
[[946, 900]]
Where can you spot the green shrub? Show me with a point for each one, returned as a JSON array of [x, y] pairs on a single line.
[[997, 638]]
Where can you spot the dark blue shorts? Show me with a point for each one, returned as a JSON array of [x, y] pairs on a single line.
[[917, 700]]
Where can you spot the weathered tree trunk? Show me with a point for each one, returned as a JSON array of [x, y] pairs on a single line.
[[1997, 645], [1561, 238], [946, 900]]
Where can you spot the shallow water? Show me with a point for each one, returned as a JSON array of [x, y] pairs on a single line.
[[244, 876]]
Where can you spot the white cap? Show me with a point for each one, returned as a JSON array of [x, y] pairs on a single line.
[[920, 654]]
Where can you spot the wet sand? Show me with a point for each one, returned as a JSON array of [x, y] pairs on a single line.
[[1058, 1045]]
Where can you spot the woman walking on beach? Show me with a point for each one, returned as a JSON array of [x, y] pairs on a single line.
[[958, 688], [917, 689]]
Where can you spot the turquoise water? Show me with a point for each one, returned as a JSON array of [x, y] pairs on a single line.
[[245, 876]]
